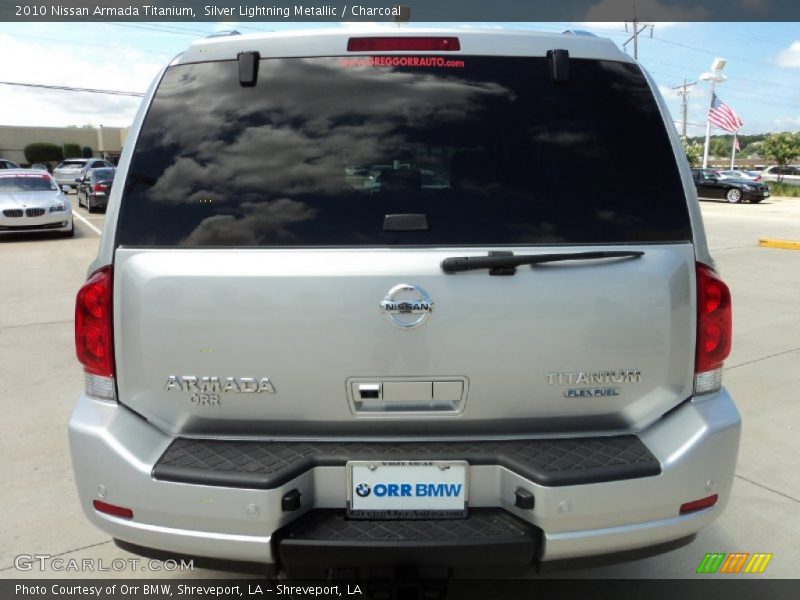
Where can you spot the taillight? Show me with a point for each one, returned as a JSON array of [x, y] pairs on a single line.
[[98, 187], [714, 329], [94, 342], [390, 44]]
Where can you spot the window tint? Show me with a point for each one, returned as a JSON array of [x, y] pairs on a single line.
[[490, 150], [103, 173]]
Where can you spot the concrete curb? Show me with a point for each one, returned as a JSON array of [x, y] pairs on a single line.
[[783, 244]]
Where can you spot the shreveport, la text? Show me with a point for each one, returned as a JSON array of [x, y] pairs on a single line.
[[169, 589]]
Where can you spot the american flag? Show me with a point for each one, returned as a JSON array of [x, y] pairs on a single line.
[[722, 115], [736, 143]]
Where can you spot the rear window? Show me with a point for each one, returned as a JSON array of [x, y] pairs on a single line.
[[104, 173], [71, 164], [489, 149]]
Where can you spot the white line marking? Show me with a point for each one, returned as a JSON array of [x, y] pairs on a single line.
[[86, 222]]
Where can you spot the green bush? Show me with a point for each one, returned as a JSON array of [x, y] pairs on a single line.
[[783, 189], [43, 152], [72, 151], [87, 152]]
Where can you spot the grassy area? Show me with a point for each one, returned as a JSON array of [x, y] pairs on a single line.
[[784, 189]]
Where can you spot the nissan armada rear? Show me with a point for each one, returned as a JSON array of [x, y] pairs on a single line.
[[403, 297]]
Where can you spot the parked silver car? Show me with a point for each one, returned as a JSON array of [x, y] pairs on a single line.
[[789, 174], [510, 367], [7, 164], [31, 201], [72, 169]]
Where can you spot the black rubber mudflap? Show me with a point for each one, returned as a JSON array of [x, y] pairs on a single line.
[[488, 538]]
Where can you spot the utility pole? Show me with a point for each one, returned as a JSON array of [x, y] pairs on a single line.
[[683, 92], [636, 31]]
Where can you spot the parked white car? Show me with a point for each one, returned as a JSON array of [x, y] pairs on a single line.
[[31, 201], [72, 169], [741, 175]]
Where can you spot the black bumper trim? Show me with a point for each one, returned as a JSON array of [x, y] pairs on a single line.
[[267, 465], [488, 537]]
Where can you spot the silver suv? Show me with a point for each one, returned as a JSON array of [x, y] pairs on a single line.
[[490, 353]]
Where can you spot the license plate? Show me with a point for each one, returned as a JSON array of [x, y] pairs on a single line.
[[407, 489]]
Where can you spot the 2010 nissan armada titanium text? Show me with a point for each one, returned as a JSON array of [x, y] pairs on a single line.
[[403, 297]]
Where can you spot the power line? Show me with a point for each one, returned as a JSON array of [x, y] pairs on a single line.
[[739, 58], [64, 88], [636, 31]]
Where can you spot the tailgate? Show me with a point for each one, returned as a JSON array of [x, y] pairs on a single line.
[[293, 342]]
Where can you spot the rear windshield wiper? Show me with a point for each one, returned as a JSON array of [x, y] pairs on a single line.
[[506, 263]]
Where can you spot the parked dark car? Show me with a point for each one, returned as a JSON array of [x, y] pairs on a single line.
[[711, 186], [94, 188]]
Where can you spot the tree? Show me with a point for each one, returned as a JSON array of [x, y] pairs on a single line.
[[72, 151], [86, 151], [781, 147], [42, 152], [694, 152], [719, 146]]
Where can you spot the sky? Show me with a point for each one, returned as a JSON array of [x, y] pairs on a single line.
[[763, 67]]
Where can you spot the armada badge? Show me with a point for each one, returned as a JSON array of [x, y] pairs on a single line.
[[407, 306], [215, 385]]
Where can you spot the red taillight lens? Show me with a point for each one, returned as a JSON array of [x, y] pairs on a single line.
[[714, 322], [390, 44], [98, 187], [93, 333], [112, 509], [696, 505]]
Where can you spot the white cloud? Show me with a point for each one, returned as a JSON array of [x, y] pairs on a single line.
[[790, 57], [787, 123], [91, 69], [666, 91]]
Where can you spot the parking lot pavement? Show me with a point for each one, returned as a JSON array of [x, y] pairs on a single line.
[[40, 276]]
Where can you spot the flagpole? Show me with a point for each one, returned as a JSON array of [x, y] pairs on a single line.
[[733, 150], [708, 128], [715, 76]]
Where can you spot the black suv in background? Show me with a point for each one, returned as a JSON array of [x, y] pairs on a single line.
[[711, 185]]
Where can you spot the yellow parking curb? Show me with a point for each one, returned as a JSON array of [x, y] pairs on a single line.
[[773, 243]]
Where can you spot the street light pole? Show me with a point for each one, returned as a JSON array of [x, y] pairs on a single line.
[[708, 129], [715, 76]]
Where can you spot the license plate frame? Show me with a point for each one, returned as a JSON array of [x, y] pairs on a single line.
[[398, 503]]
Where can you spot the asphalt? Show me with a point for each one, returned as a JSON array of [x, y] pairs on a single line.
[[41, 380]]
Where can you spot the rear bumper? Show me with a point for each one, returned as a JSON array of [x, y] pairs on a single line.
[[696, 447], [99, 199]]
